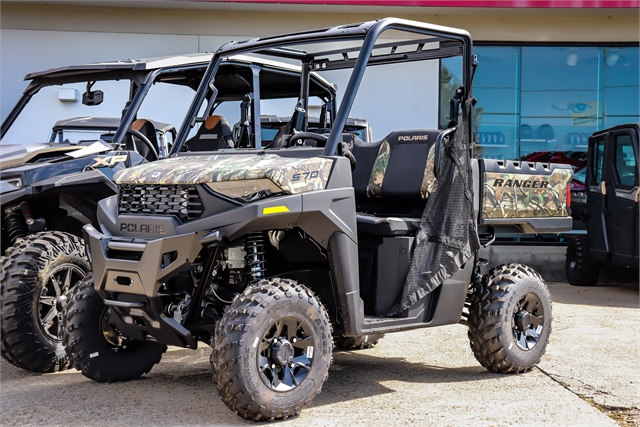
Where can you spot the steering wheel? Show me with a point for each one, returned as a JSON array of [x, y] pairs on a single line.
[[297, 139], [152, 154]]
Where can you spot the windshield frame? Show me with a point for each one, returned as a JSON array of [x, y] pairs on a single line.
[[140, 84]]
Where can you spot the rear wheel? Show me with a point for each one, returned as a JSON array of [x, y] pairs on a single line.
[[510, 319], [94, 345], [357, 342], [36, 272], [580, 271], [272, 350]]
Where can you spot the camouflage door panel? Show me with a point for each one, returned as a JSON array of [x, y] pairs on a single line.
[[291, 175], [514, 195]]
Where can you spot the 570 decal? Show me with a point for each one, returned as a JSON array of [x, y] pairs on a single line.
[[303, 176]]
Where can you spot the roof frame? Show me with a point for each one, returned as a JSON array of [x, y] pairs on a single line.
[[453, 42]]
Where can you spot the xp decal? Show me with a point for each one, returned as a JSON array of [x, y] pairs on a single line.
[[109, 161]]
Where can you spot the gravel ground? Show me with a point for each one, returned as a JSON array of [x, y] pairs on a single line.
[[418, 378]]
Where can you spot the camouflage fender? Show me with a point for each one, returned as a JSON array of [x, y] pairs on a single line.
[[292, 175], [513, 195]]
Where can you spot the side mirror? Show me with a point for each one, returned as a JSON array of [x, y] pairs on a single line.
[[92, 97]]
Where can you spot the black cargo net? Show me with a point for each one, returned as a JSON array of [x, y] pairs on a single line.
[[447, 236]]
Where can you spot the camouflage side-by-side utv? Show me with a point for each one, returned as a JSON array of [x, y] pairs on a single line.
[[293, 244], [50, 190]]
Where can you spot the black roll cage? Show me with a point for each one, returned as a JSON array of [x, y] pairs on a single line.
[[452, 42]]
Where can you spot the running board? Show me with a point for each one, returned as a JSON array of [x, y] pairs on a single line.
[[443, 306]]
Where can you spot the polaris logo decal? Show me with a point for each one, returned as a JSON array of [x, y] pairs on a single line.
[[524, 183], [209, 136], [413, 138], [143, 228]]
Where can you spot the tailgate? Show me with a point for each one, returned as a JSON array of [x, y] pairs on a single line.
[[524, 197]]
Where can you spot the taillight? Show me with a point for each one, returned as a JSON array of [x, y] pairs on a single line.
[[569, 195]]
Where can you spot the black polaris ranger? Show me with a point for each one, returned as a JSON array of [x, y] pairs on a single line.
[[280, 249], [611, 218], [51, 189]]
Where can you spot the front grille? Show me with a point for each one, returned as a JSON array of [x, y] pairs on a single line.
[[181, 201]]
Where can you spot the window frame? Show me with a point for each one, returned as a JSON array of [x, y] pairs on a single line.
[[593, 168], [616, 135]]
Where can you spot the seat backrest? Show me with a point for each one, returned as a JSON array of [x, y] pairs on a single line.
[[146, 128], [214, 134], [399, 168]]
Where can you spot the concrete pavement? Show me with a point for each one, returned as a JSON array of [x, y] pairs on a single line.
[[425, 377]]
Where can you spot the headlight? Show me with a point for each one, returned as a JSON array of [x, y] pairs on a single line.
[[11, 184], [248, 190]]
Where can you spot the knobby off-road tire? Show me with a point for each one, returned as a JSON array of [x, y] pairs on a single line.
[[93, 344], [580, 271], [272, 350], [5, 259], [35, 272], [358, 342], [510, 319]]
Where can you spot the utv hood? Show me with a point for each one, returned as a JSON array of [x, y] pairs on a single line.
[[291, 175], [19, 154]]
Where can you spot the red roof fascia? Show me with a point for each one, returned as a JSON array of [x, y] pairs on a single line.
[[457, 3]]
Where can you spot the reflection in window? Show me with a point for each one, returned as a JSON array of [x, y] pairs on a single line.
[[535, 99], [597, 159], [559, 97], [496, 113], [625, 161], [621, 88], [450, 80]]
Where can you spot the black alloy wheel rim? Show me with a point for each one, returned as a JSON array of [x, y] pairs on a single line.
[[285, 353], [54, 286], [527, 321]]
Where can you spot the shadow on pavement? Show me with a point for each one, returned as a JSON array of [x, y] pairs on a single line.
[[356, 375], [179, 391], [622, 295]]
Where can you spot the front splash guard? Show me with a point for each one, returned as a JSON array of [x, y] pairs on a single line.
[[130, 286]]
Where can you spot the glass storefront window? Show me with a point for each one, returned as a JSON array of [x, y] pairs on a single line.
[[496, 113], [546, 99], [559, 98], [450, 80], [621, 88]]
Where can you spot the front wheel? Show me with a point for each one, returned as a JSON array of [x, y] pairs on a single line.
[[94, 345], [510, 319], [272, 350]]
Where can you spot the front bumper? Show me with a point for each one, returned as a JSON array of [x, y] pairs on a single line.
[[128, 274]]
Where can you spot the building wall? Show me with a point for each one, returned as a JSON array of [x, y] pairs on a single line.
[[37, 36]]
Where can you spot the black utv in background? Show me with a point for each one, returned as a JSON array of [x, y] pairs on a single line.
[[284, 247], [51, 189], [611, 218]]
